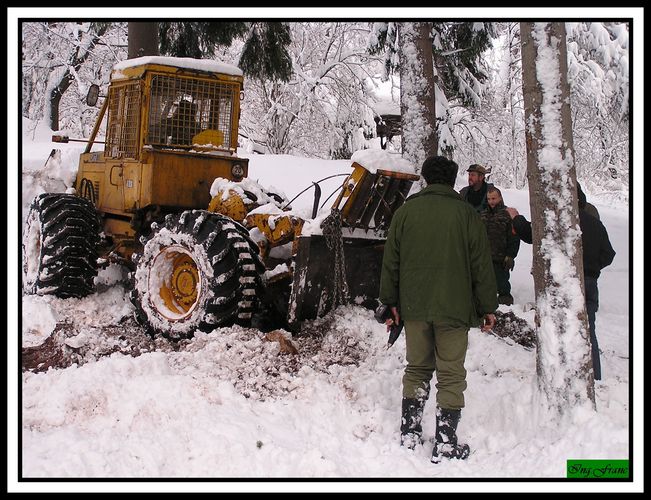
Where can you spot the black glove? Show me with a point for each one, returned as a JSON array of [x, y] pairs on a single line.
[[383, 313], [509, 263]]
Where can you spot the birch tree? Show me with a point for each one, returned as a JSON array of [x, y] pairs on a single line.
[[563, 360]]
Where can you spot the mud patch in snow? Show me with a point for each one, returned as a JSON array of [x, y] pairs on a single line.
[[256, 367]]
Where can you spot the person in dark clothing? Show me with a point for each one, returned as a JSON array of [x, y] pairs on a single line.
[[437, 277], [583, 203], [521, 225], [597, 254], [503, 241], [477, 189]]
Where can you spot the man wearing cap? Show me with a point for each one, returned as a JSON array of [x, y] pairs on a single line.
[[437, 276], [476, 190]]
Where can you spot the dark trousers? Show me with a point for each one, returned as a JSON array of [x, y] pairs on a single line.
[[502, 278], [592, 305], [437, 348]]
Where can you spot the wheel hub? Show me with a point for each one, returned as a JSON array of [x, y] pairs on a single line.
[[184, 281], [177, 281]]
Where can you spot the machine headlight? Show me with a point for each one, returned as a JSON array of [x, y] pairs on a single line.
[[237, 171]]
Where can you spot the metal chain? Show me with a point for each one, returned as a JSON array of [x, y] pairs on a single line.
[[331, 226]]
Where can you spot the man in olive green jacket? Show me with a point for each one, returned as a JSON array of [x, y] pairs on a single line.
[[438, 278]]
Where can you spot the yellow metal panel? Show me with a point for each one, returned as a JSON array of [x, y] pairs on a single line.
[[277, 229], [91, 170], [113, 196], [146, 184], [118, 228], [348, 194], [131, 175], [230, 204], [184, 179]]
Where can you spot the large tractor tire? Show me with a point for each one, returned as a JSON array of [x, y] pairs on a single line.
[[60, 243], [197, 271]]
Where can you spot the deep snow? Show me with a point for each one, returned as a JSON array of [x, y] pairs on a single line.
[[228, 406]]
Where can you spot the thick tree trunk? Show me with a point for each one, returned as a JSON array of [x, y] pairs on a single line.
[[417, 98], [563, 362], [143, 39]]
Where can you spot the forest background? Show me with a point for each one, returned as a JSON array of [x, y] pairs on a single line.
[[342, 81]]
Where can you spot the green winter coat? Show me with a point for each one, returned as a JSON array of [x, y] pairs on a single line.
[[437, 262]]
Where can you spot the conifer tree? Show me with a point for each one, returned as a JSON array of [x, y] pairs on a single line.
[[264, 54], [459, 75]]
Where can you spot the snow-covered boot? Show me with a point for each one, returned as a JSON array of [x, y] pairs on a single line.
[[410, 426], [447, 445]]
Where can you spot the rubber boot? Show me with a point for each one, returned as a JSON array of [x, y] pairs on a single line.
[[447, 445], [410, 427]]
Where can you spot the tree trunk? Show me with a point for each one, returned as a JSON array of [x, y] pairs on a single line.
[[143, 39], [76, 60], [417, 98], [55, 99], [514, 43], [563, 358]]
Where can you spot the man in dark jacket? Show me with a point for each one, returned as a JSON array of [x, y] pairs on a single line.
[[597, 254], [583, 203], [477, 189], [437, 277], [503, 241], [521, 225]]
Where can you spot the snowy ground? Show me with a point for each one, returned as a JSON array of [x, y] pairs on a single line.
[[227, 406]]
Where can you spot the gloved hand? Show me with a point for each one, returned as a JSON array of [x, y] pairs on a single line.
[[509, 263]]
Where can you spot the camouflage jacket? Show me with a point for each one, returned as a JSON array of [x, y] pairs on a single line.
[[503, 240]]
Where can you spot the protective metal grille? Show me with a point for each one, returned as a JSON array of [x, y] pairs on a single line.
[[186, 111], [123, 121]]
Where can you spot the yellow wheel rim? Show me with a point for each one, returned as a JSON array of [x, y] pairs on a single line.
[[185, 278], [179, 282]]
